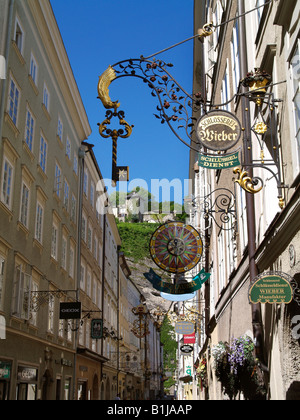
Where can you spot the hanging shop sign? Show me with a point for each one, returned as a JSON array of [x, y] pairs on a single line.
[[178, 298], [5, 370], [184, 328], [186, 349], [219, 162], [189, 338], [218, 130], [97, 329], [27, 374], [177, 289], [70, 310], [176, 248], [271, 287]]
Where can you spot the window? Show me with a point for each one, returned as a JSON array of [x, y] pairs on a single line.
[[24, 205], [82, 277], [243, 220], [260, 10], [64, 253], [2, 267], [89, 239], [33, 69], [73, 209], [225, 91], [33, 315], [46, 97], [43, 153], [66, 195], [51, 314], [85, 182], [71, 261], [295, 65], [95, 249], [221, 260], [29, 129], [57, 180], [7, 179], [235, 50], [13, 101], [89, 283], [21, 297], [83, 228], [68, 148], [60, 129], [19, 36], [39, 222], [75, 164], [54, 241], [92, 195]]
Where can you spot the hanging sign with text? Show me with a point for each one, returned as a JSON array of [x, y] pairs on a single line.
[[189, 339], [219, 162], [218, 130], [70, 310], [184, 328], [271, 288], [177, 289]]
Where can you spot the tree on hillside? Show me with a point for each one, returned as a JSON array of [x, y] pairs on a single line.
[[168, 339]]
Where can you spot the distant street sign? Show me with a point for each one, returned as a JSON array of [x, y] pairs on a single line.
[[187, 349], [184, 327]]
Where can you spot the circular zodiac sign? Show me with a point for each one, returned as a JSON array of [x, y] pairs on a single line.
[[176, 247]]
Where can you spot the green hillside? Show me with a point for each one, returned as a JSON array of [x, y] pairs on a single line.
[[136, 239]]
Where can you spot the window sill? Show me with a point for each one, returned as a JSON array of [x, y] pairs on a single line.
[[23, 228], [11, 124], [37, 244], [46, 112], [18, 52], [33, 85], [6, 210]]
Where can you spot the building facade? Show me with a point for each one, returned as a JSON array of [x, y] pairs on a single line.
[[59, 241], [262, 236], [43, 122]]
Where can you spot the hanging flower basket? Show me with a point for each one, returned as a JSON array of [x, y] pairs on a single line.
[[257, 81], [201, 373], [236, 368]]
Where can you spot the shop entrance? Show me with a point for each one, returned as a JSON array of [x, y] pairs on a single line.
[[26, 392], [27, 383]]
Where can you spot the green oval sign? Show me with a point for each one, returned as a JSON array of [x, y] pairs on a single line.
[[271, 288]]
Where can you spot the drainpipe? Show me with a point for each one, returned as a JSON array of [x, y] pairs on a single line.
[[7, 50], [248, 160]]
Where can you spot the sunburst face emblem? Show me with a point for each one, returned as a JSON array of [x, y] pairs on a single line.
[[176, 247]]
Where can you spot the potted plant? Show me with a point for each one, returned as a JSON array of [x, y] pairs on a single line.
[[202, 373], [237, 370]]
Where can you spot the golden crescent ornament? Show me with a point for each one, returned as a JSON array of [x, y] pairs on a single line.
[[104, 82]]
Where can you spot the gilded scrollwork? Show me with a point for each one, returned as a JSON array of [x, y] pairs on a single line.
[[248, 184]]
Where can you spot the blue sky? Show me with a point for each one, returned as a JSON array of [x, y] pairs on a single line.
[[99, 33]]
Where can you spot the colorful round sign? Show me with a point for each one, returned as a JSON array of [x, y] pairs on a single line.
[[176, 247]]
